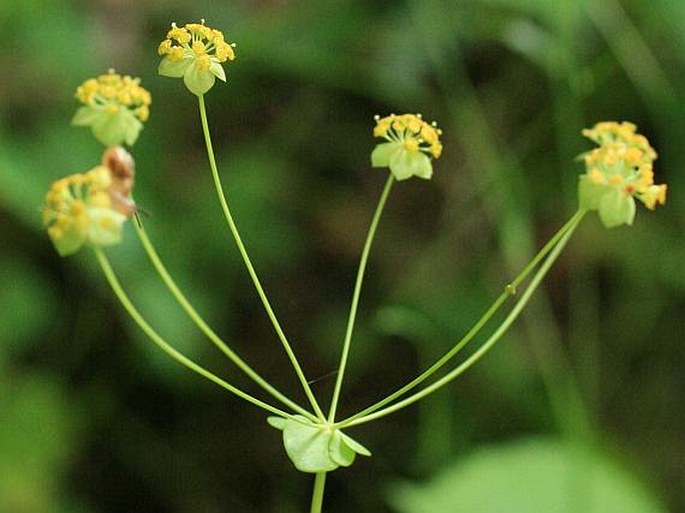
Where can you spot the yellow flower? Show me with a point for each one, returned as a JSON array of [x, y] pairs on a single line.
[[618, 171], [195, 52], [90, 207], [412, 143], [115, 108]]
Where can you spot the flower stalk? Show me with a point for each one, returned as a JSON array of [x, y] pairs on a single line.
[[248, 263], [355, 295]]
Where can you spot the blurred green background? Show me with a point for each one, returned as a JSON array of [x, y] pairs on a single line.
[[580, 407]]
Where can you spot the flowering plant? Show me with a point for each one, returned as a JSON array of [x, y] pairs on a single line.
[[90, 209]]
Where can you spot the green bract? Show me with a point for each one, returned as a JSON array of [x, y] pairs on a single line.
[[110, 128], [613, 205], [316, 447], [402, 163], [197, 79]]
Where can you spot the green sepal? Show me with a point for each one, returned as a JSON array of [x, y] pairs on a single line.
[[616, 208], [402, 163], [132, 129], [406, 164], [115, 129], [590, 193], [174, 68], [381, 154], [314, 447], [69, 242], [218, 71], [198, 81], [86, 116], [105, 226]]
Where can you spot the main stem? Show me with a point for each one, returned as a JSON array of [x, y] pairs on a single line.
[[355, 296], [317, 494], [248, 264], [166, 347]]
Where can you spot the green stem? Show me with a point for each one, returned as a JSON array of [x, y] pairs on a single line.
[[509, 290], [317, 494], [248, 263], [477, 355], [355, 295], [167, 348], [202, 325]]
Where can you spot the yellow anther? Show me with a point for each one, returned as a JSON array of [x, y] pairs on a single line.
[[416, 134]]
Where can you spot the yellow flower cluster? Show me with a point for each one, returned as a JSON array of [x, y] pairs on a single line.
[[412, 131], [79, 209], [111, 92], [624, 161], [198, 41]]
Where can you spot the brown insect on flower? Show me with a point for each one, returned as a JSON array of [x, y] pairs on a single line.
[[122, 168]]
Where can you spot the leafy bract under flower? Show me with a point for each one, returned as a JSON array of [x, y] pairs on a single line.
[[195, 52], [115, 108], [617, 172], [88, 208], [412, 144], [316, 447]]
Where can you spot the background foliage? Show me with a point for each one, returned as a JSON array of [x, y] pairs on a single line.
[[94, 419]]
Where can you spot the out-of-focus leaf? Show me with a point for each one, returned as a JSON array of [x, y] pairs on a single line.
[[27, 305], [532, 476], [36, 436]]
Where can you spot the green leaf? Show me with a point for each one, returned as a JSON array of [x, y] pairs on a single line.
[[532, 476]]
